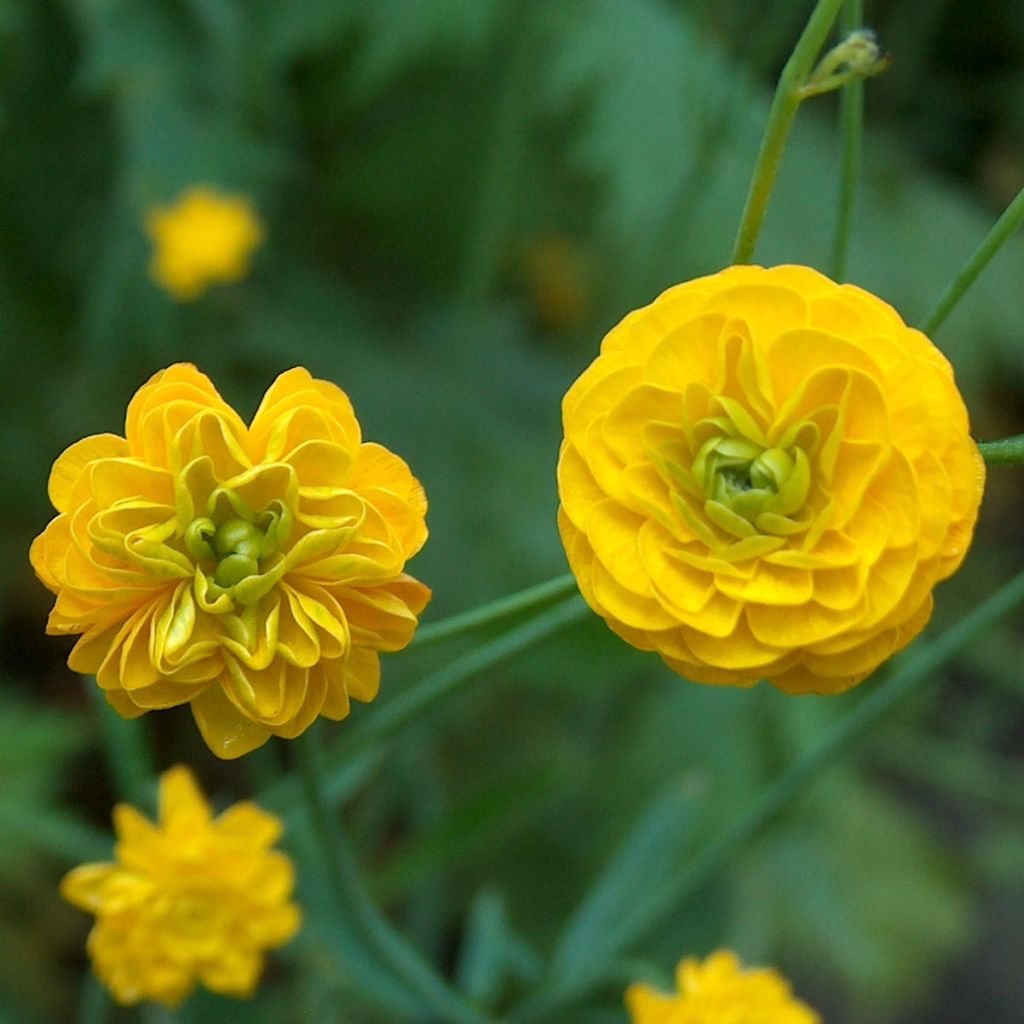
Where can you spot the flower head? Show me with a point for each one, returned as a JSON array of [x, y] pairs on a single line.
[[253, 572], [203, 239], [192, 898], [719, 991], [764, 475]]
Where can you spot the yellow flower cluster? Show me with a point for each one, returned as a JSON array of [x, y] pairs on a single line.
[[253, 572], [764, 475], [719, 991], [193, 898], [204, 238]]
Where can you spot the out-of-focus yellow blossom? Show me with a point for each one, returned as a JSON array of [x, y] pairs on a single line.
[[556, 279], [764, 475], [191, 899], [253, 572], [719, 991], [204, 238]]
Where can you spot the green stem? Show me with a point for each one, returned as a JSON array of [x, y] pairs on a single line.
[[916, 669], [125, 747], [851, 116], [94, 1003], [780, 120], [412, 704], [502, 163], [993, 241], [1006, 451], [495, 611], [356, 908]]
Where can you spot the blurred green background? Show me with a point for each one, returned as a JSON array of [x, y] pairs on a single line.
[[460, 197]]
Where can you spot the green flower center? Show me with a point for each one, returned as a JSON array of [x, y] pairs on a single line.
[[748, 488], [236, 548]]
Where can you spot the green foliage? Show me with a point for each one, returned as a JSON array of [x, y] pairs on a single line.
[[405, 156]]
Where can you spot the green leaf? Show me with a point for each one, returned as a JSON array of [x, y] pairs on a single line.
[[618, 907]]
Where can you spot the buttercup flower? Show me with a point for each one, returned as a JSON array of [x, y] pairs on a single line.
[[193, 898], [252, 572], [764, 475], [719, 991], [203, 239]]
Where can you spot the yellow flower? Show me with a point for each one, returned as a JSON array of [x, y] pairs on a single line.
[[253, 572], [193, 898], [204, 238], [719, 991], [764, 475]]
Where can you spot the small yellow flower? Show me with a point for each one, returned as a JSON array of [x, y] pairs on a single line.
[[193, 898], [764, 475], [719, 991], [203, 239], [253, 572]]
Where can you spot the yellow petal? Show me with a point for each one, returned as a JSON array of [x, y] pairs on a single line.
[[227, 732], [74, 459]]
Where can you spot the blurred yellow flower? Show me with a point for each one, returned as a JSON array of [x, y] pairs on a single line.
[[764, 475], [193, 898], [203, 239], [719, 991], [253, 572]]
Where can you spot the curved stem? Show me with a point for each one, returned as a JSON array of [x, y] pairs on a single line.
[[1007, 451], [94, 1004], [851, 116], [495, 611], [356, 908], [409, 705], [916, 669], [780, 121], [421, 697], [991, 244]]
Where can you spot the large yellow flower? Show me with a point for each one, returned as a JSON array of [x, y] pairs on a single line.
[[191, 898], [719, 991], [764, 475], [254, 572], [204, 238]]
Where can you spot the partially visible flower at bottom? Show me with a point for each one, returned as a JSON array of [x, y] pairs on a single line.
[[719, 991], [204, 238], [192, 898]]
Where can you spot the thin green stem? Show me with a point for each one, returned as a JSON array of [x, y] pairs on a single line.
[[1007, 451], [780, 121], [851, 117], [502, 163], [495, 611], [94, 1004], [356, 909], [993, 241], [125, 747], [916, 669], [413, 703]]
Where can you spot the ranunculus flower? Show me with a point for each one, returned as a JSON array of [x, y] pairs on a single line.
[[719, 991], [191, 898], [764, 475], [205, 238], [253, 572]]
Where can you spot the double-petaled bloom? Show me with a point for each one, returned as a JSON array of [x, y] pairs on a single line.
[[719, 991], [764, 475], [253, 572], [190, 898]]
